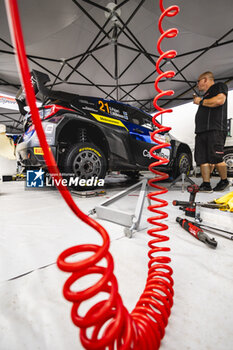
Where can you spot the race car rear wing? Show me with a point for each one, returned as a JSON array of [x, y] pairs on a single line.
[[39, 80]]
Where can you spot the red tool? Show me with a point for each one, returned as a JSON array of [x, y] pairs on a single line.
[[190, 207], [192, 189], [215, 231], [197, 232]]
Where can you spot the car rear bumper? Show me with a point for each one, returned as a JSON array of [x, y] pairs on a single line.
[[31, 155]]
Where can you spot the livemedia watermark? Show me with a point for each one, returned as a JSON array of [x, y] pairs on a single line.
[[39, 179]]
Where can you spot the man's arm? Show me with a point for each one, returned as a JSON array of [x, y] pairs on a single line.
[[215, 101]]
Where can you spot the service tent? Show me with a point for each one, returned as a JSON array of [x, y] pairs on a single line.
[[108, 49]]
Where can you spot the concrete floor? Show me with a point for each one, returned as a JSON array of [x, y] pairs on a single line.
[[36, 226]]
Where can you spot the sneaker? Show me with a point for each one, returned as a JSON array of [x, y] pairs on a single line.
[[205, 187], [222, 185]]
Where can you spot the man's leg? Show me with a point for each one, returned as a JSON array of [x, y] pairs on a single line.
[[212, 166], [223, 184], [217, 158], [205, 172], [201, 158], [222, 170]]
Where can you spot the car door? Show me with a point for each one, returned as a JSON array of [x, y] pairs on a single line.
[[140, 129]]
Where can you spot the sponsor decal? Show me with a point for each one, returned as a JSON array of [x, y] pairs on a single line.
[[28, 134], [39, 151], [125, 115], [117, 113], [90, 109], [165, 153], [86, 102], [89, 149], [108, 120], [49, 129], [8, 102], [146, 154]]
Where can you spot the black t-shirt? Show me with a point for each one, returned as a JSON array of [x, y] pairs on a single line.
[[208, 118]]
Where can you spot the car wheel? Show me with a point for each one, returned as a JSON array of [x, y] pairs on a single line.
[[85, 161], [228, 159], [182, 165]]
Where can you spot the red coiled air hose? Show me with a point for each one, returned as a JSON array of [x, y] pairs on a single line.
[[112, 327]]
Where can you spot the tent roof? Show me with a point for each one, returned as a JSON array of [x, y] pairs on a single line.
[[86, 52]]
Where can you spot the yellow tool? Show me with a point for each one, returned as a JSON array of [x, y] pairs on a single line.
[[227, 200]]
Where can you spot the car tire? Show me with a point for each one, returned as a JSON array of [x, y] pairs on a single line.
[[85, 161], [228, 159], [182, 164]]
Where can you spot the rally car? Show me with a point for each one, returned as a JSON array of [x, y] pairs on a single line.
[[92, 136]]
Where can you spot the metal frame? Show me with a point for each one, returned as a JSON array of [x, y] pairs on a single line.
[[130, 221], [103, 38], [182, 178]]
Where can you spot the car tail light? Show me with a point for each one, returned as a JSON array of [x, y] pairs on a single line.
[[44, 113]]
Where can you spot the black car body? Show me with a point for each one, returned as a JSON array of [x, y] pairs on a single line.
[[91, 136]]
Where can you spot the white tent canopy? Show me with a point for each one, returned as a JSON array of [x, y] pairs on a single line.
[[85, 51]]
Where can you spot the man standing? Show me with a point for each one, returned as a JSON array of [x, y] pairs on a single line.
[[211, 130]]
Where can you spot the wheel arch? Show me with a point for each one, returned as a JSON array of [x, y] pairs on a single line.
[[69, 133]]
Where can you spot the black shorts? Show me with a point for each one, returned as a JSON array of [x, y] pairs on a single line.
[[209, 147]]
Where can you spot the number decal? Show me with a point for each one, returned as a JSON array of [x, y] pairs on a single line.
[[103, 106], [106, 104]]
